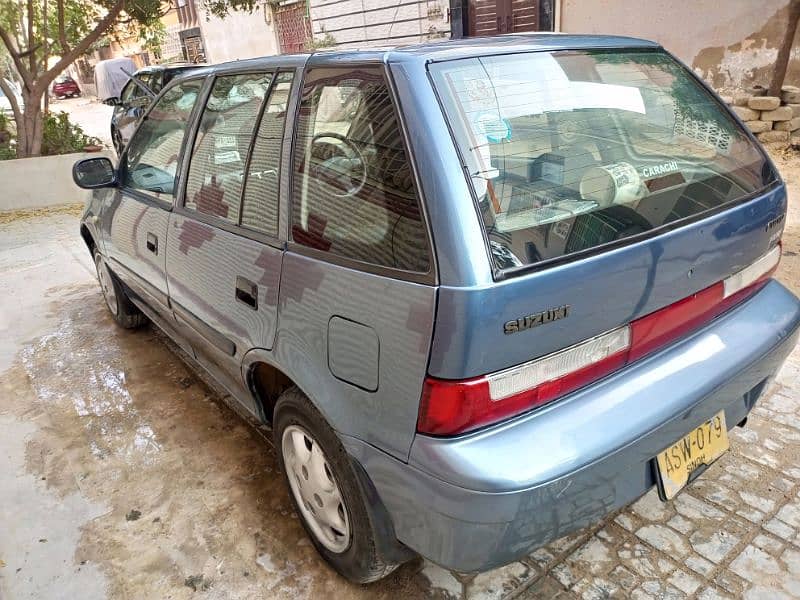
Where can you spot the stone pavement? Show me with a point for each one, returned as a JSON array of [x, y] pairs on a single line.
[[732, 533]]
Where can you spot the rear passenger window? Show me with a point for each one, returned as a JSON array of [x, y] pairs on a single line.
[[354, 193], [214, 183], [260, 205]]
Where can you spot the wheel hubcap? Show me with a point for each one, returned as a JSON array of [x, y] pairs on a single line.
[[104, 277], [315, 489]]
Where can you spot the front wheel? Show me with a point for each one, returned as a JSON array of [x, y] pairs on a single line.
[[325, 491], [119, 305]]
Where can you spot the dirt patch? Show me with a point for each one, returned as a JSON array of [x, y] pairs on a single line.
[[8, 216]]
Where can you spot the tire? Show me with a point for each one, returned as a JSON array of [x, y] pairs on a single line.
[[357, 557], [119, 305]]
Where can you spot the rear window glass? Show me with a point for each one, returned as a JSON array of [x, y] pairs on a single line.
[[568, 151]]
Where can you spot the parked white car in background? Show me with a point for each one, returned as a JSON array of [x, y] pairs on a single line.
[[5, 103]]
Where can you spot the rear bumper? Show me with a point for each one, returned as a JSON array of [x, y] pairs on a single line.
[[483, 500]]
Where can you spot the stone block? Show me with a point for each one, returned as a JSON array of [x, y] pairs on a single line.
[[773, 136], [741, 99], [795, 109], [790, 125], [727, 99], [760, 126], [783, 113], [746, 114], [764, 102], [790, 94]]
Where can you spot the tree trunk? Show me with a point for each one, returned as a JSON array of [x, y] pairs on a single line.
[[29, 131], [782, 61]]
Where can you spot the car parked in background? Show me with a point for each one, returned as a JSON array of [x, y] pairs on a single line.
[[65, 87], [135, 98], [484, 292], [5, 103]]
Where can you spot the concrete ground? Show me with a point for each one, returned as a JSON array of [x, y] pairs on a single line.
[[123, 475], [93, 116]]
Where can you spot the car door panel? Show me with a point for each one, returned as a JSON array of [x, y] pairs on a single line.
[[204, 265], [140, 263], [223, 279], [136, 218]]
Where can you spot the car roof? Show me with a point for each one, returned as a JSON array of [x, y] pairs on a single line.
[[170, 67], [450, 49], [431, 51]]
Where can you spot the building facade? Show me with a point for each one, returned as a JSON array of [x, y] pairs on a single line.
[[731, 44]]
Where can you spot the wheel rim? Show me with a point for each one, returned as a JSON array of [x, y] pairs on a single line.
[[315, 489], [106, 285]]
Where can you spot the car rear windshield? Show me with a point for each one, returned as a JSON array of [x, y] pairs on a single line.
[[568, 151]]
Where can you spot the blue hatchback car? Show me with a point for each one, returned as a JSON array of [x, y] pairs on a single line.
[[484, 292]]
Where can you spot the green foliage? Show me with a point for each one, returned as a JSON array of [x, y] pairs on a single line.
[[220, 8], [324, 41], [7, 150], [61, 136], [153, 37]]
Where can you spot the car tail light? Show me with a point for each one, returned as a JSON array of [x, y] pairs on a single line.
[[450, 407]]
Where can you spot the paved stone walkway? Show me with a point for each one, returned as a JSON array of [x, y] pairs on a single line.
[[733, 533]]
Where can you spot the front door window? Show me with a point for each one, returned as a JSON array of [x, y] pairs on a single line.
[[151, 162]]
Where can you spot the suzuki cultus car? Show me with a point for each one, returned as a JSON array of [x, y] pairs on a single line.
[[484, 292]]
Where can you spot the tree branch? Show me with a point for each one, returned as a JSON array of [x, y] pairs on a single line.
[[31, 57], [12, 98], [15, 56], [68, 58], [62, 34]]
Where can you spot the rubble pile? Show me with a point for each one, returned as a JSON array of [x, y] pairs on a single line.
[[774, 120]]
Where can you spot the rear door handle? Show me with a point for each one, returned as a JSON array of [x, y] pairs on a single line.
[[247, 292], [152, 243]]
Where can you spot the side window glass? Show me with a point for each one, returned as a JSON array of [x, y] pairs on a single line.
[[354, 193], [155, 83], [128, 91], [260, 204], [151, 161], [138, 92], [214, 183]]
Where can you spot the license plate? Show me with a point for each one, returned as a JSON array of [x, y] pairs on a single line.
[[696, 449]]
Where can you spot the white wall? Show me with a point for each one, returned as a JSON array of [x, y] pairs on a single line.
[[239, 35], [369, 23], [42, 181], [730, 43]]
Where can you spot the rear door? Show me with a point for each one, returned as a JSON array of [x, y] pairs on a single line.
[[135, 222], [224, 256], [358, 287]]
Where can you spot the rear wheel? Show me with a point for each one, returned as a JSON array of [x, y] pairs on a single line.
[[119, 305], [325, 491]]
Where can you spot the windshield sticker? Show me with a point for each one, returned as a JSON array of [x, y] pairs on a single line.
[[491, 125], [561, 229], [662, 169]]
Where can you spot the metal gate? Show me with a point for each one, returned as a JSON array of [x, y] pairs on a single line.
[[493, 17], [293, 25]]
